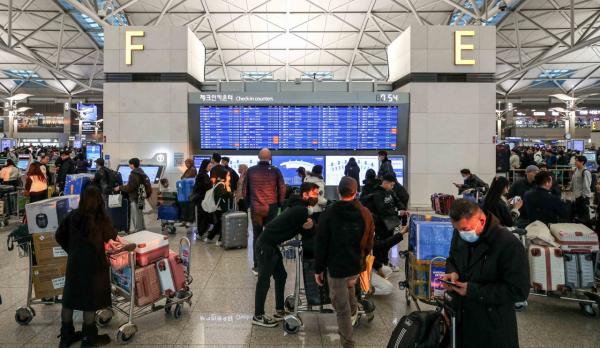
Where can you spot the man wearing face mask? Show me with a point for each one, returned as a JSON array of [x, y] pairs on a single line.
[[471, 181], [489, 272], [287, 225]]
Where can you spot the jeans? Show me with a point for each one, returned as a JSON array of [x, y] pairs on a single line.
[[258, 223], [270, 262], [137, 218], [343, 299]]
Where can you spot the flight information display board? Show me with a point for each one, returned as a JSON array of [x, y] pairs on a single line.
[[299, 127]]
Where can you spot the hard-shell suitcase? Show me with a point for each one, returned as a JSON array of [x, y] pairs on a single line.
[[579, 270], [177, 270], [234, 232], [167, 286], [184, 189], [151, 246], [120, 216], [441, 203], [575, 237], [187, 212], [546, 268], [147, 285]]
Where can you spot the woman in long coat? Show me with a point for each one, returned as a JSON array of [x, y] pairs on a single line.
[[82, 235]]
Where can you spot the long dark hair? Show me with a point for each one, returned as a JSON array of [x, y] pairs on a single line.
[[35, 169], [204, 165], [91, 207], [499, 184]]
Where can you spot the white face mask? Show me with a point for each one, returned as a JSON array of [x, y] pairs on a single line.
[[469, 236]]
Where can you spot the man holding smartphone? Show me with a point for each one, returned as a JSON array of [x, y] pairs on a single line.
[[488, 269]]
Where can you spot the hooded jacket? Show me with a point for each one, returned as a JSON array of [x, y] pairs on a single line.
[[339, 235], [136, 178], [497, 271]]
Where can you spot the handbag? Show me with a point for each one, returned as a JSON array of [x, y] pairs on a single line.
[[115, 201], [120, 260], [365, 276], [391, 222]]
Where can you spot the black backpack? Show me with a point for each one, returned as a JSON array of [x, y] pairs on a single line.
[[368, 201], [418, 330]]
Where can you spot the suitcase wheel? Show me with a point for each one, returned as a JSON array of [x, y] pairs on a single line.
[[24, 315], [292, 324], [126, 332], [288, 304], [177, 311]]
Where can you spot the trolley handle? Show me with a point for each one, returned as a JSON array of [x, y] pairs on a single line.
[[127, 247], [294, 243]]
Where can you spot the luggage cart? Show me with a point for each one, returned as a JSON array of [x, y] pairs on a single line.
[[5, 190], [425, 290], [298, 301], [123, 301], [25, 314]]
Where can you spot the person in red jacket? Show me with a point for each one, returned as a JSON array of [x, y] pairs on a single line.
[[265, 194]]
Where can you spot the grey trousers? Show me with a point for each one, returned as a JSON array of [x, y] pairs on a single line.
[[343, 299], [137, 218]]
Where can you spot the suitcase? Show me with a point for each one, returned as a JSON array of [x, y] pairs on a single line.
[[187, 212], [579, 270], [151, 246], [315, 295], [163, 269], [441, 203], [235, 230], [421, 217], [168, 212], [546, 268], [177, 270], [575, 237], [147, 285], [120, 216], [184, 189]]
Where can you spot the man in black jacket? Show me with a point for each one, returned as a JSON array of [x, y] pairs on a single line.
[[65, 166], [541, 204], [287, 225], [471, 181], [338, 250], [489, 270]]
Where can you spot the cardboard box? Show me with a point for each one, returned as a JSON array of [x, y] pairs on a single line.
[[49, 280], [46, 215], [47, 250]]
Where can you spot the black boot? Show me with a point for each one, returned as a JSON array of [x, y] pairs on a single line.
[[91, 337], [68, 335]]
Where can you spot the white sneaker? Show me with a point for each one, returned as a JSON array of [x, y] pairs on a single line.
[[218, 243], [255, 271], [355, 319]]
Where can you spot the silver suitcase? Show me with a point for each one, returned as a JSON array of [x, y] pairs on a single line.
[[579, 270], [234, 234]]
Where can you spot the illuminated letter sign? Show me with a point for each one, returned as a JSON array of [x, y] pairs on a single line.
[[131, 47], [459, 47]]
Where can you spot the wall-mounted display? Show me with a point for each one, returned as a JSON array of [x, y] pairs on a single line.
[[154, 172], [335, 166], [92, 153], [288, 165], [298, 127]]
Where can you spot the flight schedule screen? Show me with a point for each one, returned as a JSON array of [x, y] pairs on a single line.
[[298, 127]]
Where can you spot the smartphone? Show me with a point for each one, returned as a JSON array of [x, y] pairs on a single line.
[[447, 282]]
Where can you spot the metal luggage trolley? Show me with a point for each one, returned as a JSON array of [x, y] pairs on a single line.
[[5, 190], [298, 302], [586, 298], [424, 289], [168, 211], [24, 314], [123, 301]]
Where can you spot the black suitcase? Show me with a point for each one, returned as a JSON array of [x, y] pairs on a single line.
[[120, 216], [315, 295], [187, 211]]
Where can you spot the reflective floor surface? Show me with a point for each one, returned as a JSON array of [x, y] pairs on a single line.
[[223, 303]]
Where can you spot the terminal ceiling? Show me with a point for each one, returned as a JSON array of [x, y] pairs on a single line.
[[54, 47]]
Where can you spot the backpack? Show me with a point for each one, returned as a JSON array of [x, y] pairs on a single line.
[[209, 204], [418, 330], [112, 179], [368, 201], [144, 190]]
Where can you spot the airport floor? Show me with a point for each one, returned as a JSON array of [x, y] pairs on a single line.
[[223, 303]]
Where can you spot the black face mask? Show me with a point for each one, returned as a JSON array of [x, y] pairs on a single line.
[[312, 201]]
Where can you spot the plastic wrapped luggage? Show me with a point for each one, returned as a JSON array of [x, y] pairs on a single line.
[[575, 237], [432, 239], [120, 216], [441, 203], [546, 268], [234, 233], [147, 285], [168, 212], [315, 295], [167, 286], [151, 246], [76, 183], [177, 270], [412, 238], [184, 189], [579, 270]]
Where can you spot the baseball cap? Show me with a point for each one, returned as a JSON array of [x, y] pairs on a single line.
[[531, 169]]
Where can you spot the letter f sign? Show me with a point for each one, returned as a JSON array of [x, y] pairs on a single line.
[[131, 47]]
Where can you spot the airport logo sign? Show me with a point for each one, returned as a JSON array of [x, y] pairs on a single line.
[[459, 47]]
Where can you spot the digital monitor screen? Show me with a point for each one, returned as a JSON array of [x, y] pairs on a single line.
[[87, 112], [298, 127], [590, 155], [23, 163], [198, 160], [77, 144], [579, 145], [154, 172], [288, 165], [6, 143], [336, 165], [92, 153], [398, 163], [236, 160]]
